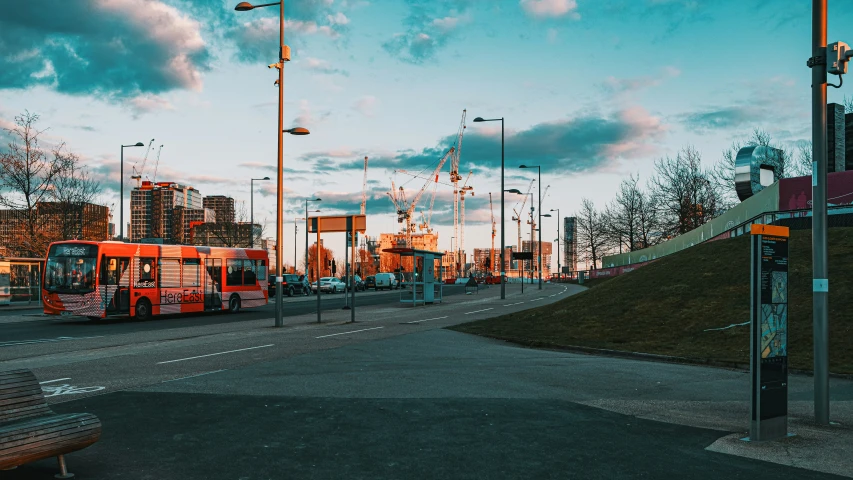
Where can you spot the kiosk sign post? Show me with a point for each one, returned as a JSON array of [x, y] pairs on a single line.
[[769, 332]]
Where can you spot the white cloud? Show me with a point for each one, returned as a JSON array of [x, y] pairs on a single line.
[[366, 105], [338, 19], [149, 103], [550, 8]]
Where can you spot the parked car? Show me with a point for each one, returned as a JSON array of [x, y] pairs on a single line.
[[386, 281], [370, 282], [329, 285], [292, 284]]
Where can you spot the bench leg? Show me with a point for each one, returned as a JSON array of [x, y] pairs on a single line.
[[63, 472]]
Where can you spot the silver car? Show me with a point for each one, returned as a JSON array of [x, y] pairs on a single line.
[[329, 285]]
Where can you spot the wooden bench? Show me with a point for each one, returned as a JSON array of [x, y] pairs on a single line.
[[30, 430]]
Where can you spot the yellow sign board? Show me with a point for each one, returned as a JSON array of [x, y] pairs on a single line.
[[342, 223]]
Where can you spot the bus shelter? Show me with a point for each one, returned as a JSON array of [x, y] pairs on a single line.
[[20, 280], [421, 285]]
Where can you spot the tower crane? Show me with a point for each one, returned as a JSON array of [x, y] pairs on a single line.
[[463, 191], [492, 251], [137, 174], [517, 216], [454, 175], [157, 163], [364, 188], [406, 208]]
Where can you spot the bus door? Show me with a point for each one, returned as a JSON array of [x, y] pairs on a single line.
[[117, 274], [213, 284]]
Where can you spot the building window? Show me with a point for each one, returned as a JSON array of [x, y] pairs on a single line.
[[234, 273]]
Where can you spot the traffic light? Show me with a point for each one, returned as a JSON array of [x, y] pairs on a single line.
[[334, 267]]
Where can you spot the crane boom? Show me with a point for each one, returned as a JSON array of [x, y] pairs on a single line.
[[137, 174], [157, 163], [405, 209], [492, 251]]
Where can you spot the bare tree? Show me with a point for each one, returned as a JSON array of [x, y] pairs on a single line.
[[32, 181], [622, 214], [237, 233], [683, 192], [591, 232]]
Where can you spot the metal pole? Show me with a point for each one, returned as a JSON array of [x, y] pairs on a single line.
[[820, 280], [121, 198], [279, 227], [306, 242], [352, 275], [318, 271], [539, 242], [559, 252], [295, 232], [252, 212], [503, 240], [346, 272]]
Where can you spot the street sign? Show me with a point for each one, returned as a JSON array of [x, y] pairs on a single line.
[[769, 332], [522, 255], [332, 224], [349, 239]]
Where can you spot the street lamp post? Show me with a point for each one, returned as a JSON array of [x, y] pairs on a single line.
[[517, 192], [283, 56], [559, 252], [503, 239], [547, 215], [252, 208], [539, 207], [121, 195]]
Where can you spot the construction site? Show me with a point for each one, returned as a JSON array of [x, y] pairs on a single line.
[[414, 206]]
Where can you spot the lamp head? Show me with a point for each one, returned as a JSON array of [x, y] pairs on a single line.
[[479, 119], [244, 6], [265, 178], [139, 144], [523, 166], [514, 190], [297, 131]]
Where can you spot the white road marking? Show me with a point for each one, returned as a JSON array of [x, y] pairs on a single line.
[[478, 311], [212, 354], [511, 304], [57, 380], [354, 331], [428, 319], [537, 299], [43, 340], [193, 376]]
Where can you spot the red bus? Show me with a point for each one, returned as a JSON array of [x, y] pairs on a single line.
[[101, 279]]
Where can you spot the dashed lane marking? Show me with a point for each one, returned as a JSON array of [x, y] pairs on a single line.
[[511, 304], [478, 311], [344, 333], [428, 319], [212, 354]]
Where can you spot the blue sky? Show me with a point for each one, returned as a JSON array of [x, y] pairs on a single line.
[[591, 90]]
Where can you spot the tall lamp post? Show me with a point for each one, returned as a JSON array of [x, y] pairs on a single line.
[[503, 239], [559, 252], [538, 207], [517, 192], [121, 195], [283, 56], [252, 208], [306, 239]]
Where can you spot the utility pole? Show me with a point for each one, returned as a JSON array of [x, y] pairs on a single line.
[[820, 282]]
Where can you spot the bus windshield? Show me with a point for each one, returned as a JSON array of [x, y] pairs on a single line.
[[70, 268]]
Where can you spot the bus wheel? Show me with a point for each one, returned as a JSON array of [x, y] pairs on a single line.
[[143, 310], [234, 304]]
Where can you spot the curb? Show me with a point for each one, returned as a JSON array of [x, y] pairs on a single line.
[[652, 357]]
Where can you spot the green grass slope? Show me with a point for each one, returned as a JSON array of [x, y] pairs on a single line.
[[665, 307]]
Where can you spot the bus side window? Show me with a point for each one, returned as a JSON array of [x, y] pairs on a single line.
[[249, 277], [147, 273], [233, 272]]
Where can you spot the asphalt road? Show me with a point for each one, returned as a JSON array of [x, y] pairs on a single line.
[[44, 327]]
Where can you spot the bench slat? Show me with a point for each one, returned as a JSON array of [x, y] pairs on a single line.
[[30, 431]]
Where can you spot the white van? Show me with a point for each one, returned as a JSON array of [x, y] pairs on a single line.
[[385, 280]]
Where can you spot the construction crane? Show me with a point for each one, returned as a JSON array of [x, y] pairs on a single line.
[[406, 208], [463, 191], [137, 174], [364, 188], [157, 164], [454, 175], [492, 251], [517, 216]]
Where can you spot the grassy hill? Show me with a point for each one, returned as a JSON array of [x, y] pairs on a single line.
[[665, 307]]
